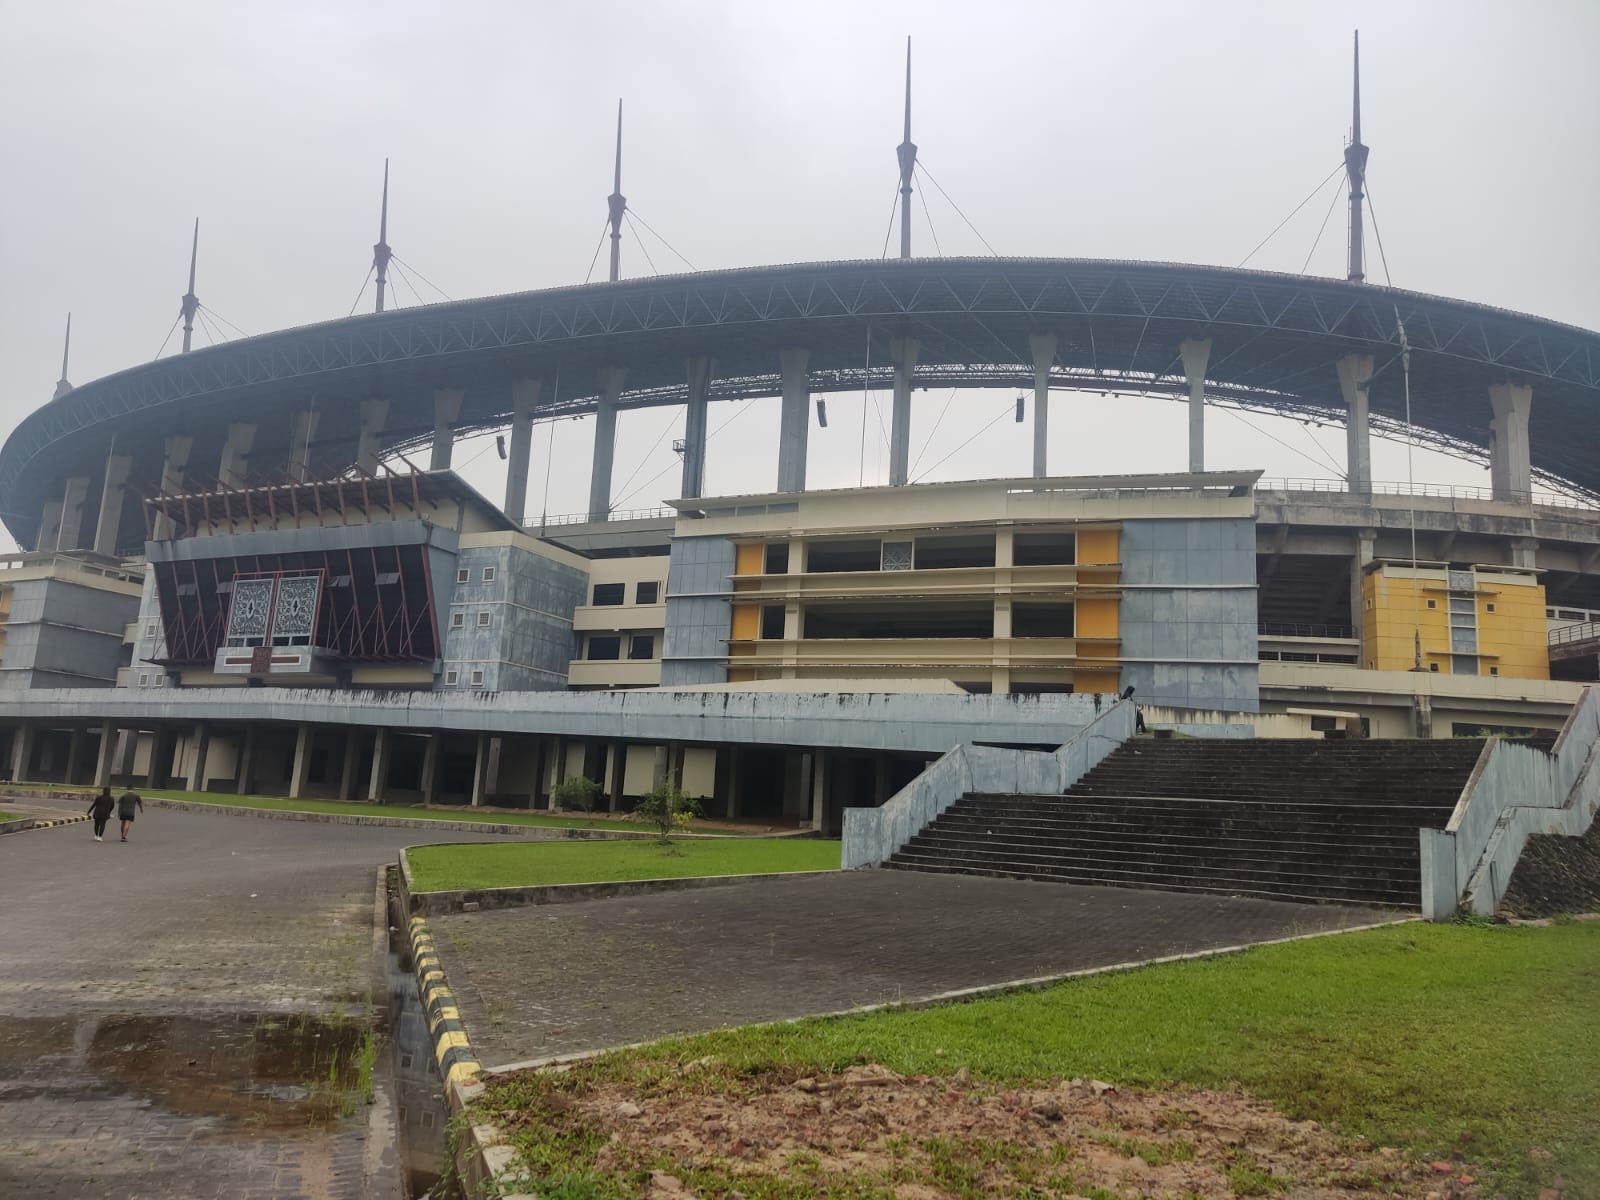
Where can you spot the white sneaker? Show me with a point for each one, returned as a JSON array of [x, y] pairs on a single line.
[[98, 838]]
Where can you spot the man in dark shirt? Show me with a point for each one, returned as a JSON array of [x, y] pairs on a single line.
[[100, 809], [127, 803]]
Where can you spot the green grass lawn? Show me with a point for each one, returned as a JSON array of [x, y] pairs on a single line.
[[454, 868], [9, 816], [1444, 1041]]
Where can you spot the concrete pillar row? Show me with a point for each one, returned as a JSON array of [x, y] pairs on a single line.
[[446, 412], [72, 499], [699, 369], [794, 426], [1355, 378], [302, 433], [1196, 353], [609, 380], [1043, 347], [374, 417], [903, 353], [233, 468], [1510, 462], [108, 527], [524, 399]]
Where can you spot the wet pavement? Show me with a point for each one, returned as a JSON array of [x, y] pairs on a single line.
[[560, 979], [189, 1014]]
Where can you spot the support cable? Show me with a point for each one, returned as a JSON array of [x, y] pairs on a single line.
[[224, 320], [1000, 416], [894, 207], [928, 441], [922, 169], [866, 374], [645, 250], [1328, 458], [362, 292], [1315, 192], [670, 466], [170, 332], [1387, 282], [922, 194], [405, 278], [550, 452], [1325, 217], [420, 275], [671, 424], [1411, 478], [598, 246], [662, 240]]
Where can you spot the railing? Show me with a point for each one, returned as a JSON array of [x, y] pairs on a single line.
[[616, 514], [1587, 632], [1304, 629], [1445, 491]]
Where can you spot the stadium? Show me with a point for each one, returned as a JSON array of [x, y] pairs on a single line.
[[253, 565]]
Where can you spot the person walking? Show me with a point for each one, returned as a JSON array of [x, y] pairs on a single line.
[[100, 809], [127, 803]]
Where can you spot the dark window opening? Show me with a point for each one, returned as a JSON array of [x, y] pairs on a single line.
[[885, 621], [1042, 621], [843, 556], [642, 646], [777, 559], [605, 649], [608, 593], [771, 622], [1040, 689], [936, 552], [647, 593], [1044, 549]]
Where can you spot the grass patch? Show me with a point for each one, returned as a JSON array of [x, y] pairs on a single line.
[[9, 816], [456, 868], [1444, 1041]]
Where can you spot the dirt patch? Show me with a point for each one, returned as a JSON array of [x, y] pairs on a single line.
[[706, 1131], [1556, 874]]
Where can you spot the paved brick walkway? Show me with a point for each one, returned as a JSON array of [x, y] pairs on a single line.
[[565, 978], [153, 1000]]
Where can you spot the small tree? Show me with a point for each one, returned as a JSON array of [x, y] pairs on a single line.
[[668, 809], [576, 791]]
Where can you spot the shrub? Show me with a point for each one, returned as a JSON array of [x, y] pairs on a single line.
[[667, 808], [576, 791]]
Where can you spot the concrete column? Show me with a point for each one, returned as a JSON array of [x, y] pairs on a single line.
[[234, 467], [446, 412], [609, 380], [109, 524], [304, 736], [197, 764], [819, 790], [903, 353], [735, 776], [174, 463], [74, 752], [73, 496], [302, 433], [880, 779], [378, 780], [1510, 466], [675, 753], [699, 369], [1366, 540], [1525, 552], [1355, 378], [352, 760], [616, 774], [660, 766], [247, 761], [1422, 716], [161, 747], [374, 416], [49, 526], [524, 397], [102, 760], [794, 426], [1043, 346], [480, 770], [22, 752], [1196, 353], [430, 769]]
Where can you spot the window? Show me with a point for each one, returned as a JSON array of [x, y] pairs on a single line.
[[144, 678], [488, 574], [1488, 608], [161, 680], [452, 678], [608, 593], [777, 559], [150, 628], [647, 593], [1433, 604], [605, 649], [897, 556], [771, 621], [483, 618], [642, 645], [1434, 667], [458, 620], [1494, 670], [464, 575], [1044, 549], [477, 678]]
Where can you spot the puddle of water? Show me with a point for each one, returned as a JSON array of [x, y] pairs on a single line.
[[422, 1110]]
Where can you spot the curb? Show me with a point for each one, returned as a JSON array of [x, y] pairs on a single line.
[[28, 823], [458, 1065]]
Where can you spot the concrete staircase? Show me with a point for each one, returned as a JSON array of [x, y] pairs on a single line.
[[1313, 820]]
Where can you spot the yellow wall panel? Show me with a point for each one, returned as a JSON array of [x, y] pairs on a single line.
[[741, 675], [1097, 617], [748, 557], [1096, 681], [1512, 638], [746, 622], [1098, 546]]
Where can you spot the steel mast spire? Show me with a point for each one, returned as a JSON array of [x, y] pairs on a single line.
[[617, 204], [1355, 165], [381, 254], [907, 152], [190, 303], [62, 386]]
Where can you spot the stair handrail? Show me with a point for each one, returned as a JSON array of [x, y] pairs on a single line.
[[1514, 792], [872, 835]]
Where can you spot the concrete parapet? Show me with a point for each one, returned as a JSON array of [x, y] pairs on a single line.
[[872, 835]]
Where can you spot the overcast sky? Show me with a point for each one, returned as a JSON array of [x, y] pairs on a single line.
[[762, 133]]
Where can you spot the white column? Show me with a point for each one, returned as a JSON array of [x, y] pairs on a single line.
[[1043, 346], [446, 412], [102, 761], [197, 764], [379, 778], [480, 770], [75, 493], [609, 380], [49, 526], [374, 416], [1355, 378], [1510, 464], [109, 525], [302, 432], [699, 370], [795, 423], [234, 467], [524, 397], [903, 353], [1196, 353], [430, 768], [302, 761], [819, 789], [22, 752]]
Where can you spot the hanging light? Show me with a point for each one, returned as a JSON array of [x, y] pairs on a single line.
[[1022, 404], [500, 445], [822, 413]]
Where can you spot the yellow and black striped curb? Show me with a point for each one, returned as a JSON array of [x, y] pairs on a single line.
[[27, 823], [457, 1063]]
